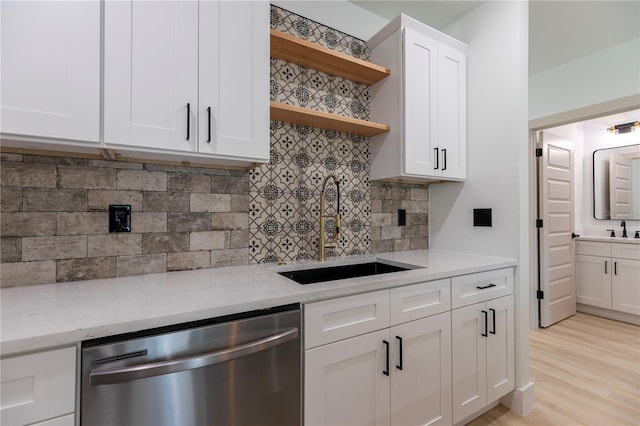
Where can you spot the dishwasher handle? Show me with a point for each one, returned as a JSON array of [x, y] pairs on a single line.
[[159, 368]]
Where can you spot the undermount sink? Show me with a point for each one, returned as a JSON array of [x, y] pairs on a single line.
[[332, 273]]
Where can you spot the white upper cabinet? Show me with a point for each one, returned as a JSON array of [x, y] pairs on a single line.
[[51, 69], [187, 76], [423, 100]]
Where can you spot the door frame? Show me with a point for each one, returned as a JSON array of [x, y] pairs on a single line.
[[602, 109]]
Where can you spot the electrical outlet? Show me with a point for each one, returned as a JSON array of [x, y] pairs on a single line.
[[482, 217], [119, 218], [402, 217]]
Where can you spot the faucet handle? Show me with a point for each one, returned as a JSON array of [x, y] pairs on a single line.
[[613, 232], [637, 235]]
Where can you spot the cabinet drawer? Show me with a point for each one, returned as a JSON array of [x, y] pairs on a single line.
[[337, 319], [39, 386], [593, 248], [474, 288], [420, 300], [626, 251]]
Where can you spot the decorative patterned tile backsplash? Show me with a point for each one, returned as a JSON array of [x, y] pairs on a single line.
[[54, 220]]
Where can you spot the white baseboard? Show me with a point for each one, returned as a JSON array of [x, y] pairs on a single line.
[[521, 400], [608, 313]]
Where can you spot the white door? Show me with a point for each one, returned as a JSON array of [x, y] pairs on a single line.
[[421, 103], [452, 110], [593, 278], [469, 359], [345, 384], [620, 188], [626, 286], [51, 69], [500, 348], [557, 266], [234, 79], [421, 372], [151, 74]]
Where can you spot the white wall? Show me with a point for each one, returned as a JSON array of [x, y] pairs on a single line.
[[600, 77]]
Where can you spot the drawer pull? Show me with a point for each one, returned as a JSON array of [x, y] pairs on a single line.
[[386, 370], [484, 287]]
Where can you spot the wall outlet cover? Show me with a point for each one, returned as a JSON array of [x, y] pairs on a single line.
[[482, 217], [119, 218], [402, 217]]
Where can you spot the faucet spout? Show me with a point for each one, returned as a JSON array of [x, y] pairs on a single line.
[[624, 229], [323, 244]]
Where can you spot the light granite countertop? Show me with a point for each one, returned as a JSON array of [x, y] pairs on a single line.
[[610, 239], [52, 315]]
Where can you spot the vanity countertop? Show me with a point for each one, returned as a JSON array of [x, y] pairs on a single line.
[[49, 315], [610, 239]]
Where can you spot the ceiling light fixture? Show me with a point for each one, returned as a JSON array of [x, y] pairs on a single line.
[[624, 128]]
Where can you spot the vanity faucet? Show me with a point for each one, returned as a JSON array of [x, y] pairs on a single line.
[[624, 229], [323, 245]]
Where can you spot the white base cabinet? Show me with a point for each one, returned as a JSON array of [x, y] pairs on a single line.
[[39, 388], [608, 275]]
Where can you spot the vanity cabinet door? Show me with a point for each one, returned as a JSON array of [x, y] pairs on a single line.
[[625, 286], [593, 280], [51, 69]]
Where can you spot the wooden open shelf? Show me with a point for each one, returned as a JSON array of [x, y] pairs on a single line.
[[324, 120], [307, 54]]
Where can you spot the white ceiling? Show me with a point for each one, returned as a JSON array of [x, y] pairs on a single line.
[[559, 31]]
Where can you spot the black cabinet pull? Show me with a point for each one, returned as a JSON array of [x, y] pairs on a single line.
[[188, 120], [615, 268], [484, 287], [399, 366], [444, 159], [493, 313], [437, 157], [386, 370], [209, 124], [606, 262], [486, 320]]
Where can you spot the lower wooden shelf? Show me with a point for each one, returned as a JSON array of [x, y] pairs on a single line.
[[324, 120]]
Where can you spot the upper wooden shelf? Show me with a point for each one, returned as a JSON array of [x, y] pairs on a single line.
[[324, 120], [302, 52]]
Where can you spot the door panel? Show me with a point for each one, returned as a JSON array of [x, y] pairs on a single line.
[[620, 192], [420, 64], [594, 281], [626, 286], [556, 209], [500, 348]]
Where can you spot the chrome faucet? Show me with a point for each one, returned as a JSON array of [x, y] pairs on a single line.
[[323, 245], [624, 229]]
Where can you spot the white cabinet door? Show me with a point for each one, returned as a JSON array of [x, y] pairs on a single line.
[[344, 382], [421, 103], [234, 79], [151, 74], [500, 348], [38, 387], [468, 360], [452, 112], [421, 372], [593, 280], [625, 286], [51, 69]]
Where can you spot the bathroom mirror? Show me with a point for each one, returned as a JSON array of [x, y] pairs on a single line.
[[616, 183]]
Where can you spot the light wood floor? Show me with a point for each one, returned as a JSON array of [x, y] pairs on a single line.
[[587, 372]]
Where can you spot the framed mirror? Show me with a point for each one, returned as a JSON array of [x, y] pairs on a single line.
[[616, 183]]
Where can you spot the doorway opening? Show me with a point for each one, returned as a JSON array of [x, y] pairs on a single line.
[[552, 192]]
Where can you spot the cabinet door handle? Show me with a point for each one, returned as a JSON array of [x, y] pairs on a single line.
[[444, 159], [188, 120], [493, 313], [437, 157], [615, 268], [606, 262], [208, 124], [386, 370], [486, 320], [399, 365], [484, 287]]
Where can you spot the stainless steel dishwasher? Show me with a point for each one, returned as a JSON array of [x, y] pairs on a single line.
[[241, 371]]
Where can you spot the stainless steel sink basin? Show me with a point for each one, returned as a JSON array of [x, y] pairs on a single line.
[[331, 273]]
